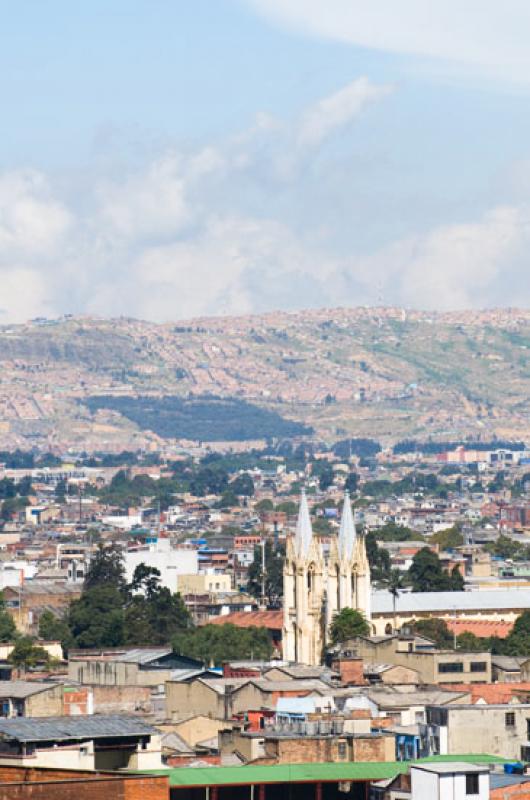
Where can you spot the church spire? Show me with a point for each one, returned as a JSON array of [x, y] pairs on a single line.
[[304, 530], [347, 533]]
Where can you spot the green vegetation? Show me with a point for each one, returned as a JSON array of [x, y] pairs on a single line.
[[390, 532], [378, 558], [273, 574], [427, 575], [347, 624], [204, 419], [27, 655], [448, 539], [436, 630], [214, 644]]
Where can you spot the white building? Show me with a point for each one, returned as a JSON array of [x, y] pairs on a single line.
[[450, 781], [171, 562]]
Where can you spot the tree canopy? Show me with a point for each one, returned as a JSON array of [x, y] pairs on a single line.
[[427, 575], [347, 624], [218, 643]]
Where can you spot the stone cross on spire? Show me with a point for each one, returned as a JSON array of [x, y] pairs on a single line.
[[304, 530], [347, 533]]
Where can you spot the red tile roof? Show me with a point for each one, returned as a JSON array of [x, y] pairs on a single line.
[[490, 692], [273, 620], [480, 628]]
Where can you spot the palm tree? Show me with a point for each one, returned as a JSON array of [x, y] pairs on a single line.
[[395, 583]]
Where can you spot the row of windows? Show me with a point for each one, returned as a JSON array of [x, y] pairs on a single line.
[[458, 666]]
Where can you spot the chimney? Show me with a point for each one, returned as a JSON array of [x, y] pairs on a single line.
[[351, 670], [229, 688]]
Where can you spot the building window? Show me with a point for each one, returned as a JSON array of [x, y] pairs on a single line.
[[471, 784], [478, 666], [342, 750], [451, 666], [509, 719]]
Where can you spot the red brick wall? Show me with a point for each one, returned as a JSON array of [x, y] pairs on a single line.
[[511, 793], [351, 671], [22, 783]]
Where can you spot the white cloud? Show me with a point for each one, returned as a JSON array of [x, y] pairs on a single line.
[[454, 266], [204, 232], [336, 111], [482, 33]]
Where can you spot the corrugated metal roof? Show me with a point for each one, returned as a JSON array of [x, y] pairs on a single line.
[[21, 689], [33, 729], [304, 773], [491, 600]]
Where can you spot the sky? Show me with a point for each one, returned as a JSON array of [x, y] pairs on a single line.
[[163, 159]]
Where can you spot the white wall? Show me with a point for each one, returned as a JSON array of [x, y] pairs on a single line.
[[170, 562], [446, 787]]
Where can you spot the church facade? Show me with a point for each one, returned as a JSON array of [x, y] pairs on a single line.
[[316, 588]]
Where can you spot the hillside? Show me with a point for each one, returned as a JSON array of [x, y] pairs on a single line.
[[384, 373]]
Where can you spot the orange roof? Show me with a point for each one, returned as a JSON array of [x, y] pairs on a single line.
[[273, 620], [490, 692], [480, 628]]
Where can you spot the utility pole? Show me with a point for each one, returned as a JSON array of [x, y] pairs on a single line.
[[262, 572]]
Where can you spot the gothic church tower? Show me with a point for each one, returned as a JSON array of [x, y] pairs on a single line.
[[314, 591]]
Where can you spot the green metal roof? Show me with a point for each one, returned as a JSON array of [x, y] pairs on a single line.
[[301, 773]]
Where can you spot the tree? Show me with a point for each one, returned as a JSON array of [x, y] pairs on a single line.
[[449, 538], [27, 654], [8, 629], [106, 569], [274, 558], [218, 643], [390, 532], [352, 483], [436, 630], [61, 488], [470, 643], [288, 507], [97, 619], [264, 505], [517, 642], [395, 583], [347, 624], [426, 574], [153, 615], [243, 485], [326, 478], [378, 558], [53, 629]]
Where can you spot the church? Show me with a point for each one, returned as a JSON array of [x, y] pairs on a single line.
[[316, 587]]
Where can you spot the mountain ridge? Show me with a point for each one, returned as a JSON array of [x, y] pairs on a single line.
[[389, 373]]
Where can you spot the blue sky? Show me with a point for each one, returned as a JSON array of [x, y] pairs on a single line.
[[166, 159]]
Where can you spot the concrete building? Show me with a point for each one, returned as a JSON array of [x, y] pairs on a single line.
[[31, 699], [420, 655], [93, 742], [139, 666], [171, 562], [315, 590], [204, 583], [499, 730]]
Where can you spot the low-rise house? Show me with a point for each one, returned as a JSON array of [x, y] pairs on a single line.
[[221, 698], [135, 666], [317, 739], [420, 655], [499, 730], [31, 699], [91, 742]]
